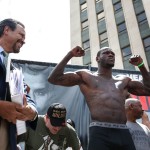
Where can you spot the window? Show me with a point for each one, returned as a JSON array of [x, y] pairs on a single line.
[[121, 27], [141, 18], [82, 1], [146, 42], [97, 1], [138, 6], [85, 35], [143, 25], [86, 44], [101, 26], [104, 43], [126, 63], [115, 1], [83, 13], [117, 6], [126, 53], [103, 36], [84, 16], [123, 39], [87, 57], [119, 17], [100, 15], [99, 6], [83, 7], [84, 24], [103, 40]]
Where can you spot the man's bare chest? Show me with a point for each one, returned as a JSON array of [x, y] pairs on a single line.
[[108, 85]]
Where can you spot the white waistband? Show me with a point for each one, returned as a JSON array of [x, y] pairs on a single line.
[[108, 125]]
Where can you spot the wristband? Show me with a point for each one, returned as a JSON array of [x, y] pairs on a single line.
[[141, 64]]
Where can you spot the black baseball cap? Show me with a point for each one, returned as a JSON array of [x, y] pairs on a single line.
[[57, 114]]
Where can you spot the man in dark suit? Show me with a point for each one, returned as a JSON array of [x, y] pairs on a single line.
[[12, 37]]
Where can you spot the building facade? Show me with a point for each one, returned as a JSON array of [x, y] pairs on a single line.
[[123, 25]]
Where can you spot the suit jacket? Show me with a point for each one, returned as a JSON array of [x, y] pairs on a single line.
[[5, 95]]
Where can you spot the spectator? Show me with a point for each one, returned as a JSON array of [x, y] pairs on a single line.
[[12, 38], [52, 131], [140, 133]]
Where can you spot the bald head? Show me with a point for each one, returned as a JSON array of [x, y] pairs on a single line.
[[103, 49], [130, 101], [133, 109]]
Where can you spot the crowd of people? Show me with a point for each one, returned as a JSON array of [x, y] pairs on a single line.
[[113, 112]]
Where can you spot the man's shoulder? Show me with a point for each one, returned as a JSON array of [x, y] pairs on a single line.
[[121, 77], [40, 121], [68, 128], [40, 129], [83, 71], [136, 126], [143, 126]]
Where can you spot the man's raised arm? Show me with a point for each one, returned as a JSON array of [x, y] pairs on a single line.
[[58, 76], [136, 60]]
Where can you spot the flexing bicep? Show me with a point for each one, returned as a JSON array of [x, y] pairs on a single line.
[[138, 88], [67, 79]]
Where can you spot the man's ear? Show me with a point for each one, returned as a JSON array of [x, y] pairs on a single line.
[[97, 58], [6, 29], [46, 116], [131, 106]]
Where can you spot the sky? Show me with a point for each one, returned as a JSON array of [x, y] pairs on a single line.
[[47, 25]]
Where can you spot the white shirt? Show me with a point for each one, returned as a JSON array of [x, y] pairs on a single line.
[[140, 135]]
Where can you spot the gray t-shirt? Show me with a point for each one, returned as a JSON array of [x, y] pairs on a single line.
[[140, 135], [43, 139]]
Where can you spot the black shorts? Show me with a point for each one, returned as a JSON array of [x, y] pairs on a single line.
[[103, 138]]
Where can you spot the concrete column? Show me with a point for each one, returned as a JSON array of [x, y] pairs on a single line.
[[133, 30], [93, 31], [75, 25], [112, 32], [146, 4]]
